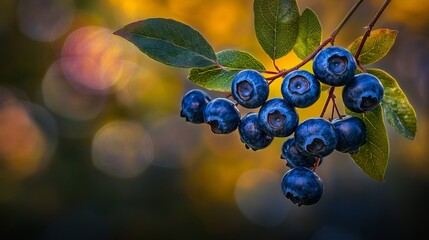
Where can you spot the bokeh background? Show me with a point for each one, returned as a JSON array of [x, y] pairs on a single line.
[[92, 146]]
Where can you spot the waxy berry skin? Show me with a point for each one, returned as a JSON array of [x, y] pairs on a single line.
[[251, 133], [334, 66], [351, 132], [302, 186], [363, 94], [193, 104], [294, 157], [250, 89], [277, 118], [222, 115], [316, 137], [300, 88]]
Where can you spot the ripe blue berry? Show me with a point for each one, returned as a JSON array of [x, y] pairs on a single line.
[[193, 104], [334, 66], [294, 157], [316, 137], [300, 88], [302, 186], [363, 93], [278, 118], [222, 115], [351, 133], [251, 134], [250, 89]]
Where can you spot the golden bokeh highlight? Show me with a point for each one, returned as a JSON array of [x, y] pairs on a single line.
[[63, 99], [92, 59], [122, 149]]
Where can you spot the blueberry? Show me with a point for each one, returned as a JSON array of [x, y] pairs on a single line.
[[363, 93], [222, 115], [316, 137], [251, 134], [302, 186], [351, 133], [278, 118], [294, 157], [300, 88], [250, 89], [193, 104], [334, 66]]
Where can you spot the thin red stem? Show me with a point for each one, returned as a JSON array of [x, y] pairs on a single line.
[[316, 164], [275, 65], [331, 40], [369, 29], [331, 91], [338, 111]]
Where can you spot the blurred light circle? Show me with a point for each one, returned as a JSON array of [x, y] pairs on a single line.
[[28, 138], [122, 149], [92, 59], [60, 97], [175, 142], [259, 197], [149, 93], [45, 20]]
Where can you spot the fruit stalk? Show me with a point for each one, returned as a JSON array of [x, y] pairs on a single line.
[[331, 40]]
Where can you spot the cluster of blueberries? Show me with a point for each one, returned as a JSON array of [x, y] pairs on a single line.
[[315, 138]]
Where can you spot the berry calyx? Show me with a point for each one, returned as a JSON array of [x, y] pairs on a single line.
[[277, 118], [222, 115], [251, 134], [193, 104], [334, 66], [300, 88], [363, 94], [302, 186], [250, 89], [316, 137]]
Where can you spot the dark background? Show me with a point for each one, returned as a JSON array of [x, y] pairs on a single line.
[[91, 145]]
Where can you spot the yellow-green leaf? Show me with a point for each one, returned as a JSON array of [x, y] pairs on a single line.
[[214, 78], [309, 35], [373, 156], [376, 46], [397, 109]]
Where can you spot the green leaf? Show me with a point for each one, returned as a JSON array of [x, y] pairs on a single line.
[[276, 25], [376, 46], [214, 78], [373, 156], [397, 109], [169, 42], [310, 34]]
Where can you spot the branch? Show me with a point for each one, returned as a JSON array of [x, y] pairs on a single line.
[[331, 39], [369, 29]]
